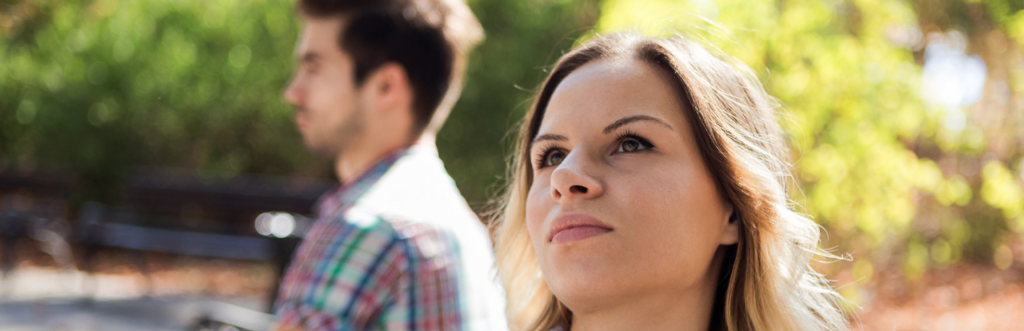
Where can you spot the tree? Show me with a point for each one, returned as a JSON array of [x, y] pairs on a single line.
[[897, 175], [100, 87]]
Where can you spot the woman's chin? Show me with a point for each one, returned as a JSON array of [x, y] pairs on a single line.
[[583, 288], [583, 299]]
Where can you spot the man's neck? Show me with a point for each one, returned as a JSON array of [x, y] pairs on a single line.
[[352, 164]]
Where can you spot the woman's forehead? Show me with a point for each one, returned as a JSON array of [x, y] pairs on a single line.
[[608, 89]]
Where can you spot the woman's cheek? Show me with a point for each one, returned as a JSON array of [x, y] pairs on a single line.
[[537, 206], [659, 206]]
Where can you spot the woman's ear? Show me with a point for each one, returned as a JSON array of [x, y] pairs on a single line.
[[731, 222]]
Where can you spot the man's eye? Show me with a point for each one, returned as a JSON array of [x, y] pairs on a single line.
[[629, 145], [553, 158], [310, 67]]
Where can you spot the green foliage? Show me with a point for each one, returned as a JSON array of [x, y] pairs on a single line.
[[875, 165], [523, 38], [101, 86], [851, 98]]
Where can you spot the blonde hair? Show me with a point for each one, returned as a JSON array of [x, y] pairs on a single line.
[[766, 282]]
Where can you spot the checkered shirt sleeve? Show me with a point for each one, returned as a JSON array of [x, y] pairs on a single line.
[[362, 272]]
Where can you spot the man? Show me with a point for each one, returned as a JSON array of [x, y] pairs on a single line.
[[395, 246]]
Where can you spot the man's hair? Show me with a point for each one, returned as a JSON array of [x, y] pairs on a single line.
[[430, 39]]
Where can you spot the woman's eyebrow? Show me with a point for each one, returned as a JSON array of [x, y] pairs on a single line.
[[631, 119], [555, 137]]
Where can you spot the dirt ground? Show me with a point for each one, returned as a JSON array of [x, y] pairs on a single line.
[[962, 297]]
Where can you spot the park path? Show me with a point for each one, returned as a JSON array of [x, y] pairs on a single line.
[[46, 299]]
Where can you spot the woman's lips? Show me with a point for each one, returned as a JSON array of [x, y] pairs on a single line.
[[578, 233], [574, 227]]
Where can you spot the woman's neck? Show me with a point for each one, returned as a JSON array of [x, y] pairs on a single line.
[[686, 309]]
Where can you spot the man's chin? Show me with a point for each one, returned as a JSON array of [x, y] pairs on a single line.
[[320, 150]]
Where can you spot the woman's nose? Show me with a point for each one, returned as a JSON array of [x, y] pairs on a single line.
[[573, 179]]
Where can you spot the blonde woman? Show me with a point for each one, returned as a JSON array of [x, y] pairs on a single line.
[[648, 193]]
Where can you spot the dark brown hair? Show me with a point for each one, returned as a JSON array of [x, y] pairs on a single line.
[[428, 38]]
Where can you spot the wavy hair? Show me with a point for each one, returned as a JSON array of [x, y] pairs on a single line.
[[766, 281]]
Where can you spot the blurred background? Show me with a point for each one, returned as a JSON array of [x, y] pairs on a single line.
[[150, 172]]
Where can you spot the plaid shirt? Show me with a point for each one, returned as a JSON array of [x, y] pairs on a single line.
[[396, 249]]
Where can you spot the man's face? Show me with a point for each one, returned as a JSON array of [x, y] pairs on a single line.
[[327, 105]]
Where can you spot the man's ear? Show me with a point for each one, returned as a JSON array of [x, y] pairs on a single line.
[[388, 88], [731, 221]]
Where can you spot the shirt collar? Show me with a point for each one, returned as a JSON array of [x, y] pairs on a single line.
[[346, 193]]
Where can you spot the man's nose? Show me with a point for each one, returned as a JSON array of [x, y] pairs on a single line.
[[293, 91]]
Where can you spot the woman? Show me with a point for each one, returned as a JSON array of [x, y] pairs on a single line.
[[648, 193]]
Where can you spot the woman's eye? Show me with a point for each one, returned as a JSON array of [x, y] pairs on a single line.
[[632, 145], [553, 158]]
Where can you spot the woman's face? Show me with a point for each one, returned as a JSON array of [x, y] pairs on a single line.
[[622, 204]]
